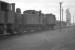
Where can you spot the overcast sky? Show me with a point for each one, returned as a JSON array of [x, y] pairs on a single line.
[[46, 6]]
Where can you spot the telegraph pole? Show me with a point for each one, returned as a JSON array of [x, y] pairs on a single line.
[[60, 13], [62, 16], [39, 18], [73, 19]]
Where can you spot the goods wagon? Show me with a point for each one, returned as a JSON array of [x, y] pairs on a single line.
[[49, 21]]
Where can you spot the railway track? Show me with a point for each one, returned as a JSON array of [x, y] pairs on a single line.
[[33, 31], [3, 37]]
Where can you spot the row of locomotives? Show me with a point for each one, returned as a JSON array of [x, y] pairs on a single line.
[[12, 22], [49, 21], [6, 18]]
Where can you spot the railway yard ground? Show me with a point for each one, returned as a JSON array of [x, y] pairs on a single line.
[[63, 39]]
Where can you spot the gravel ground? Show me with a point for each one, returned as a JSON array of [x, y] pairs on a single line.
[[47, 40]]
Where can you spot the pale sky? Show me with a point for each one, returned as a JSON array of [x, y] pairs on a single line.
[[46, 6]]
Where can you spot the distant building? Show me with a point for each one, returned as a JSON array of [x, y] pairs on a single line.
[[68, 17]]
